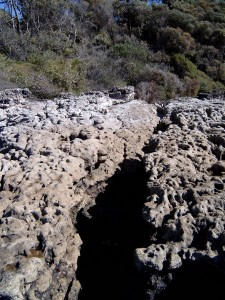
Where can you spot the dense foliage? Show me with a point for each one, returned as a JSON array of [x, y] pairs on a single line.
[[168, 49]]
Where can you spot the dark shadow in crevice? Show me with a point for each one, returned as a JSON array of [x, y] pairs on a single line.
[[151, 146], [195, 281], [106, 268], [162, 126]]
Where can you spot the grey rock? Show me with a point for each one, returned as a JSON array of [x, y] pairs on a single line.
[[52, 154], [186, 175], [56, 157]]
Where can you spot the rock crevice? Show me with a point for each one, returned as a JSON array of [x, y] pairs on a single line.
[[111, 230]]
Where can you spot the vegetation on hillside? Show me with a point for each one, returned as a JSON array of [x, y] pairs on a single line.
[[168, 49]]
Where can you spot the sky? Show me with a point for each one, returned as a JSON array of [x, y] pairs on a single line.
[[2, 6]]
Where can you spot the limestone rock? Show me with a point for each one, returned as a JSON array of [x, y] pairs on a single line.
[[186, 176], [56, 156]]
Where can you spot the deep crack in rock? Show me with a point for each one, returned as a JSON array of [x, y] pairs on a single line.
[[106, 268], [195, 281]]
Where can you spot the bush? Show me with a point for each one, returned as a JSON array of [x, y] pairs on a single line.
[[218, 39], [104, 74], [185, 21], [170, 83], [221, 73], [130, 59], [158, 85], [131, 71], [150, 92], [103, 71], [192, 87], [14, 45], [20, 72], [204, 32], [102, 38], [185, 68], [159, 58], [216, 71], [5, 83], [205, 55], [131, 51], [54, 41], [64, 45], [3, 61], [41, 87], [67, 74], [45, 78], [175, 40], [25, 75]]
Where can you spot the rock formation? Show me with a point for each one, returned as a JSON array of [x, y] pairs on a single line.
[[56, 156], [186, 178]]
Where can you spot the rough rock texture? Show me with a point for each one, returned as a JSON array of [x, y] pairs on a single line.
[[185, 163], [55, 157]]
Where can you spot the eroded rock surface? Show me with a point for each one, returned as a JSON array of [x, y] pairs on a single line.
[[185, 163], [55, 157]]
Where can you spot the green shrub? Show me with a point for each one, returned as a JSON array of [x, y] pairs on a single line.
[[192, 87], [159, 57], [208, 59], [25, 75], [54, 41], [221, 73], [103, 38], [64, 45], [131, 58], [132, 51], [132, 71], [185, 68], [5, 83], [175, 40], [185, 21], [204, 32], [42, 87], [150, 92], [3, 61], [103, 71], [20, 72], [215, 16], [219, 86], [216, 71], [67, 74], [171, 84], [218, 38], [46, 78]]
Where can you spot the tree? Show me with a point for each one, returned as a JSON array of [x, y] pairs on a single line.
[[114, 41], [13, 8], [170, 3]]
